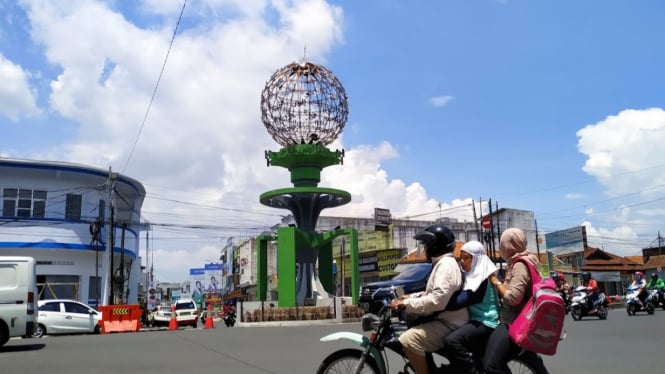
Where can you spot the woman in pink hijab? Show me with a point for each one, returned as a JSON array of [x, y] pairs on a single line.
[[500, 348]]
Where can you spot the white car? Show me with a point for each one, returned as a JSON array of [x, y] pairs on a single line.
[[185, 311], [66, 317]]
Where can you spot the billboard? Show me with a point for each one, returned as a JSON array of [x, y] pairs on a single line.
[[196, 280], [566, 241]]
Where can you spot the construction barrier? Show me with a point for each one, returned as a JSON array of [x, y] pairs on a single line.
[[120, 318]]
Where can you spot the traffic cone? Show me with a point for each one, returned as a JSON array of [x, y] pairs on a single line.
[[209, 322], [173, 323]]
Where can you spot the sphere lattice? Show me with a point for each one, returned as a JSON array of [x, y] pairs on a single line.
[[304, 103]]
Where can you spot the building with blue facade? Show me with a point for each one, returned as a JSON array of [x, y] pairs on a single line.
[[68, 217]]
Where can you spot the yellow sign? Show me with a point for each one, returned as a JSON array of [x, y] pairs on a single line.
[[387, 261], [120, 311]]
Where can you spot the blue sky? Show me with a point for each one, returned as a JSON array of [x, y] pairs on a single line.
[[553, 107]]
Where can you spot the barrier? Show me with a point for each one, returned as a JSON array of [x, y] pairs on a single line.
[[120, 318], [209, 322]]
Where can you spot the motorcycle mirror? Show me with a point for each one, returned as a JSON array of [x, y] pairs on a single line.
[[398, 290]]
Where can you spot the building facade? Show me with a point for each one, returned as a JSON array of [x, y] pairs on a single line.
[[380, 247], [68, 217]]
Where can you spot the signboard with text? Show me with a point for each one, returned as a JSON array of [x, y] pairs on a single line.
[[566, 241]]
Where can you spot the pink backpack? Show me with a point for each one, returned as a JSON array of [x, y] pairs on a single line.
[[538, 328]]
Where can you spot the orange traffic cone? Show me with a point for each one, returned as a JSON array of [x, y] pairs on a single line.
[[209, 322], [173, 323]]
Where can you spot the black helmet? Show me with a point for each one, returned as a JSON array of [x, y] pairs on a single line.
[[586, 275], [437, 239], [554, 275], [654, 276]]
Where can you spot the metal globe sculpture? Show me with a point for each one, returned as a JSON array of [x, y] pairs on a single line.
[[304, 108], [304, 103]]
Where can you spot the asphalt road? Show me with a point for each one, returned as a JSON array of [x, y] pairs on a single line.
[[620, 344]]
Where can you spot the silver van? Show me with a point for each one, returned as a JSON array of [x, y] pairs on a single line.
[[18, 296]]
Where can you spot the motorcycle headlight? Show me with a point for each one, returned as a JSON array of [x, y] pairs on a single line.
[[369, 322]]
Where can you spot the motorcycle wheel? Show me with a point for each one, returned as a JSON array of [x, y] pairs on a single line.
[[345, 361], [527, 363], [602, 312], [650, 308], [576, 312], [630, 309]]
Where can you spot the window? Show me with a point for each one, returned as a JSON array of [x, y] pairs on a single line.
[[50, 307], [76, 308], [23, 203], [58, 287], [94, 293], [73, 206]]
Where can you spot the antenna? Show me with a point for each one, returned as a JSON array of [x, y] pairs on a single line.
[[303, 59]]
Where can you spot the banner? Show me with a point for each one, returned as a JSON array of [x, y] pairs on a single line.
[[196, 278], [213, 292]]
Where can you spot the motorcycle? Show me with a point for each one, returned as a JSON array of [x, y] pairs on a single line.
[[372, 357], [229, 318], [633, 304], [566, 300], [579, 306], [658, 297]]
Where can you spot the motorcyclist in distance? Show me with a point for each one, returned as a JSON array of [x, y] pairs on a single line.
[[659, 285], [561, 284], [641, 285], [591, 289]]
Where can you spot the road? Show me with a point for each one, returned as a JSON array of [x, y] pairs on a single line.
[[619, 344]]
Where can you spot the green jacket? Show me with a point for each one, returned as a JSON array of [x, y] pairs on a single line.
[[658, 284]]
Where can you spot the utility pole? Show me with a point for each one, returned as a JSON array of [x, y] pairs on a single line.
[[342, 261], [475, 219], [493, 248], [111, 182], [122, 263], [147, 256]]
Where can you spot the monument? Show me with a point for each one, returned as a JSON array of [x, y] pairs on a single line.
[[304, 107]]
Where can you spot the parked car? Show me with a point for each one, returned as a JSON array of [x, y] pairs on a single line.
[[412, 277], [66, 317], [187, 313]]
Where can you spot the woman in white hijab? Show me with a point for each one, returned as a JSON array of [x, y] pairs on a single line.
[[482, 301]]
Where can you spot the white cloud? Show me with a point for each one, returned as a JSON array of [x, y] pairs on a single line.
[[17, 99], [624, 153], [619, 240], [573, 196], [439, 101], [201, 151], [629, 142]]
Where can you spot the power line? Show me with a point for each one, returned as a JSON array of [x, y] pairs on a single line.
[[154, 91]]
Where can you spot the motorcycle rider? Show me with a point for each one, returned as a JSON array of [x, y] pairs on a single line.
[[445, 279], [512, 293], [481, 299], [591, 289], [562, 287], [640, 284], [658, 284], [561, 284]]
